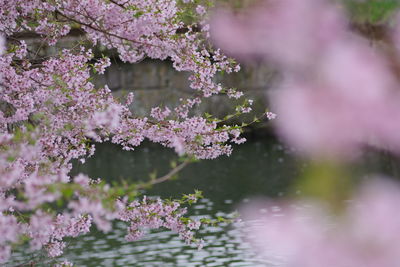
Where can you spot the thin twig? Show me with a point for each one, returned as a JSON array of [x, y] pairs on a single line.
[[166, 177]]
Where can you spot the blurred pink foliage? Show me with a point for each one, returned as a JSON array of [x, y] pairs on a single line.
[[302, 235], [338, 93]]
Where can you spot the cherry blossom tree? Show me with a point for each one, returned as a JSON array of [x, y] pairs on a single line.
[[51, 113]]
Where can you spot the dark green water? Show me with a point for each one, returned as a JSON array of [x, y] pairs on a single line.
[[257, 168], [254, 169]]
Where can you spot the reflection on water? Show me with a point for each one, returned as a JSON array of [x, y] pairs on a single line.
[[254, 169]]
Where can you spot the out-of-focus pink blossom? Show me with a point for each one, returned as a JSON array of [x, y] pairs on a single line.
[[348, 102], [301, 235], [289, 32], [177, 144], [338, 93]]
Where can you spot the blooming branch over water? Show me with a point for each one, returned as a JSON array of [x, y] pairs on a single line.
[[51, 113]]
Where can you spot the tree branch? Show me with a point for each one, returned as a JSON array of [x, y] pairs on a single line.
[[166, 177]]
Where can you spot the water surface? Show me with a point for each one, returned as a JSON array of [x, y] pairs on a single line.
[[257, 168]]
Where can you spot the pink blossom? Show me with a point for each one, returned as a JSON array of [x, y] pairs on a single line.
[[55, 249], [200, 9], [159, 114], [21, 50], [102, 64], [270, 115], [234, 93], [129, 99]]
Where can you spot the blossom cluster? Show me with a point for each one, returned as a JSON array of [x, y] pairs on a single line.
[[153, 214], [51, 113]]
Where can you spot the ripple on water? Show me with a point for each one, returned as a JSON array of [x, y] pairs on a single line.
[[225, 246]]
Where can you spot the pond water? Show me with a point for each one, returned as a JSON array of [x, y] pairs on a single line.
[[257, 168]]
